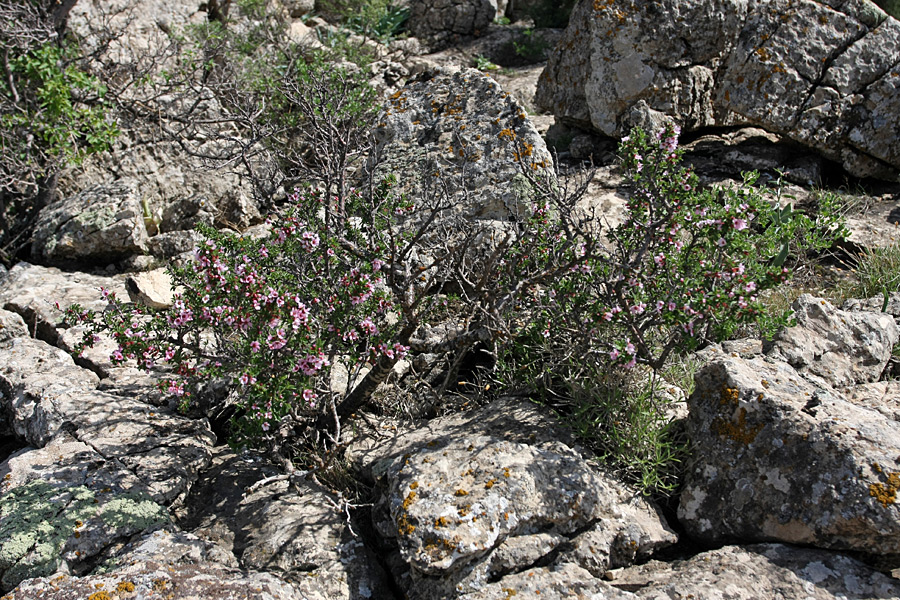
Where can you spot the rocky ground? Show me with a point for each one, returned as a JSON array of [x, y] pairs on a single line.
[[108, 492]]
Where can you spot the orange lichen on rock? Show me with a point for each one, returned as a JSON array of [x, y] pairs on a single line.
[[886, 493], [739, 432]]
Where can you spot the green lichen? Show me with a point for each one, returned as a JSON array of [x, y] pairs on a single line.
[[38, 519], [133, 512]]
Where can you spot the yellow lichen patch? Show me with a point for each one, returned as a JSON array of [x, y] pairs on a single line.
[[886, 493], [506, 472], [510, 592], [125, 586], [414, 485], [739, 432], [100, 596], [404, 527], [461, 492], [463, 510], [441, 522], [507, 133], [490, 484], [729, 395], [410, 498]]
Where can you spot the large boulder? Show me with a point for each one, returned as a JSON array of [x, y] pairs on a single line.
[[101, 223], [467, 509], [782, 458], [822, 74], [459, 131]]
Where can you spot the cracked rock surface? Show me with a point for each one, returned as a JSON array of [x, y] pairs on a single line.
[[783, 457], [824, 74], [468, 510]]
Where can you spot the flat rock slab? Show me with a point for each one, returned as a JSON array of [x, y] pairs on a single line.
[[62, 505], [42, 294], [758, 571], [778, 458]]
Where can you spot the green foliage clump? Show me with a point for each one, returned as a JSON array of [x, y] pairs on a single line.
[[877, 273], [54, 111], [685, 268]]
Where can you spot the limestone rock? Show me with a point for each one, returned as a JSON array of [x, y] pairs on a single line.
[[300, 534], [41, 295], [151, 575], [839, 346], [151, 288], [465, 509], [101, 223], [563, 581], [461, 130], [62, 505], [11, 326], [442, 22], [37, 385], [821, 74], [779, 458], [758, 571]]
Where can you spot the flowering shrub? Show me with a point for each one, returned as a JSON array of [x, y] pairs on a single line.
[[273, 315], [685, 267]]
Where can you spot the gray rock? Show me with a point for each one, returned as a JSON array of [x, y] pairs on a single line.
[[42, 294], [44, 392], [160, 569], [64, 504], [461, 130], [174, 243], [558, 582], [821, 74], [758, 571], [11, 326], [841, 347], [465, 509], [300, 532], [101, 223], [37, 385], [778, 458], [443, 22]]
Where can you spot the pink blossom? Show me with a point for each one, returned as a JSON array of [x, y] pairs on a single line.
[[614, 354], [368, 326], [255, 346], [739, 224]]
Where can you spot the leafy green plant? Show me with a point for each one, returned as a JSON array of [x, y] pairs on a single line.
[[531, 46], [381, 20], [483, 63], [686, 267], [877, 273], [54, 111]]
